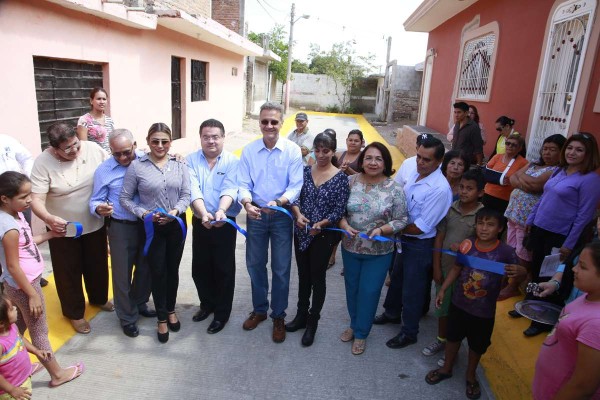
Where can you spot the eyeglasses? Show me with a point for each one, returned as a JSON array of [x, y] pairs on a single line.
[[156, 142], [214, 138], [511, 144], [125, 153], [369, 159], [72, 148], [266, 122]]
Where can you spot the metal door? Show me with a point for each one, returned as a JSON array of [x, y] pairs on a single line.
[[176, 97], [62, 90], [565, 52]]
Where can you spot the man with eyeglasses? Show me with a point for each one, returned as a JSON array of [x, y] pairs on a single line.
[[302, 137], [270, 175], [214, 187], [125, 234], [428, 198]]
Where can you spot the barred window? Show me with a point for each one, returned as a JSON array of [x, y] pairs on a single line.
[[199, 80], [476, 67]]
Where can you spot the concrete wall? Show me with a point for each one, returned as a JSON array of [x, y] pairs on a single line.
[[193, 7], [257, 85], [405, 93], [314, 92], [137, 70]]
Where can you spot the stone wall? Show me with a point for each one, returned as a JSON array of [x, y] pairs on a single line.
[[405, 93]]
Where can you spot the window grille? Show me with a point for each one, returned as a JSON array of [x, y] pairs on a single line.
[[199, 69], [475, 67]]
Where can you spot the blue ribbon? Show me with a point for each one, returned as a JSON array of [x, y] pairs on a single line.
[[78, 228], [345, 232], [281, 209], [232, 223], [149, 227]]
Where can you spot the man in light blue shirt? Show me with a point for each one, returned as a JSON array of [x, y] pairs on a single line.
[[125, 234], [270, 175], [428, 198], [214, 187]]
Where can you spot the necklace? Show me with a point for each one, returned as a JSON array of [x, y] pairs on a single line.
[[61, 163]]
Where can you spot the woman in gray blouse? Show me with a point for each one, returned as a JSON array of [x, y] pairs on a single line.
[[160, 181]]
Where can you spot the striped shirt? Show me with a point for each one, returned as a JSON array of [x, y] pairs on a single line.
[[167, 187], [108, 182], [97, 132], [210, 185], [266, 175], [15, 366]]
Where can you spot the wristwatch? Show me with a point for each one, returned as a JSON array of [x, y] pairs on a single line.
[[278, 202]]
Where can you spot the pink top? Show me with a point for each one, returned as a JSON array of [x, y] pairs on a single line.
[[15, 366], [579, 322]]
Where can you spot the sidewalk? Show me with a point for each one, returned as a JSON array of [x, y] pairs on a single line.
[[236, 364]]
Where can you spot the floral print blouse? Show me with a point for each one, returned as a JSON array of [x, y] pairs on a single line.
[[372, 206], [327, 201], [521, 203]]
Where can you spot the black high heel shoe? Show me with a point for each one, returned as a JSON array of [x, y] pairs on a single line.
[[174, 326], [162, 337]]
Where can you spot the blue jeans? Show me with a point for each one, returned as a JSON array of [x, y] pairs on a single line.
[[278, 229], [364, 276], [409, 281]]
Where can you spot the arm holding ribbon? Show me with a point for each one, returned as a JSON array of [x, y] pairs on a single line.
[[38, 205]]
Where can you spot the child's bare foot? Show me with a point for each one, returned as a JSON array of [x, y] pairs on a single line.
[[68, 374]]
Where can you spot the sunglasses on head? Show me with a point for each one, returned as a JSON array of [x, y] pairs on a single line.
[[266, 122]]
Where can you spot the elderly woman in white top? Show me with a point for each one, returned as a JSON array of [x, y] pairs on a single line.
[[62, 181]]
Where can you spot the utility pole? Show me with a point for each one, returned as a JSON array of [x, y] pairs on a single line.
[[286, 105]]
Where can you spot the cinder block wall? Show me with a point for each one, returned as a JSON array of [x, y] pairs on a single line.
[[229, 13]]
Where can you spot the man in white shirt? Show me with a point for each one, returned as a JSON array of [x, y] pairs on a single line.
[[302, 137], [428, 197]]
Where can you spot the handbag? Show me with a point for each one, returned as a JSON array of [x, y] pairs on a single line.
[[497, 177]]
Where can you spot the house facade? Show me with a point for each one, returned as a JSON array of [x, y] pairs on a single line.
[[156, 63], [534, 62]]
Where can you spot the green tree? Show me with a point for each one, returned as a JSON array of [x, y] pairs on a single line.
[[278, 45], [343, 66]]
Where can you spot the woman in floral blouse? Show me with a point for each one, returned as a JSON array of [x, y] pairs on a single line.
[[95, 125], [322, 204], [376, 207], [528, 185]]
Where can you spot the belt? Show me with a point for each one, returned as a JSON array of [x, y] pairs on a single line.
[[123, 221], [413, 239]]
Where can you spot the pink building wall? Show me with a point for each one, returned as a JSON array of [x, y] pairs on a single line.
[[137, 73]]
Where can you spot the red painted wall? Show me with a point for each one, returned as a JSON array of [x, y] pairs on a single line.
[[591, 120], [521, 36]]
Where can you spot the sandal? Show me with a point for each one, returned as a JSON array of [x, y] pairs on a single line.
[[78, 369], [473, 390], [358, 346], [347, 335], [435, 376], [81, 326], [108, 306]]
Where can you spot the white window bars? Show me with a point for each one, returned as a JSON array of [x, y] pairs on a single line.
[[475, 67]]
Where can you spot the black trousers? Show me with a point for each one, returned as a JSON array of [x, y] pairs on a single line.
[[213, 267], [72, 258], [164, 257], [312, 268]]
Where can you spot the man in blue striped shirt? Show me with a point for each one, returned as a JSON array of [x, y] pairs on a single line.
[[270, 175], [125, 234], [214, 187]]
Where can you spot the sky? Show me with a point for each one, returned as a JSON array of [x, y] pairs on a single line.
[[333, 21]]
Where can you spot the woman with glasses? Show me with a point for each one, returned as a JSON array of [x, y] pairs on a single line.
[[62, 182], [567, 206], [504, 126], [159, 180], [376, 207], [95, 125], [498, 172]]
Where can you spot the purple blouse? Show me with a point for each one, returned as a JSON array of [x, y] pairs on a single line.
[[567, 205]]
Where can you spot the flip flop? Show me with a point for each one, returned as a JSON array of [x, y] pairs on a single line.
[[79, 370], [473, 390], [358, 346], [36, 367], [81, 326], [435, 376]]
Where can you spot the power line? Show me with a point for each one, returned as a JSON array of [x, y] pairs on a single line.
[[275, 9], [268, 13]]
